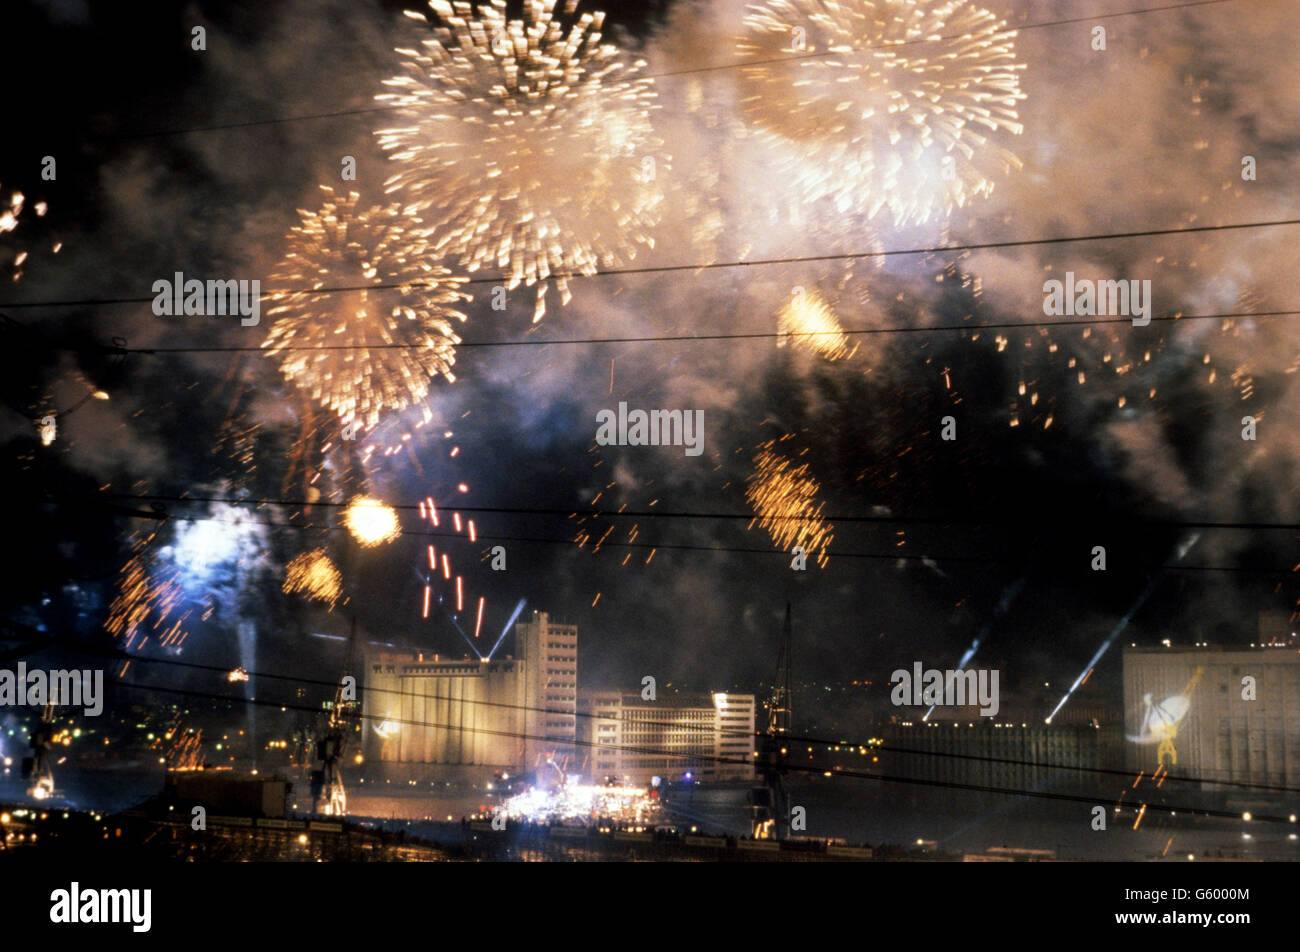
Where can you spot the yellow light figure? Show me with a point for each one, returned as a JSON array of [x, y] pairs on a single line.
[[1160, 722]]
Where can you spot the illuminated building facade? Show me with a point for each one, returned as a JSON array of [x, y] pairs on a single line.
[[1228, 714], [1024, 755], [470, 717], [550, 674], [710, 736]]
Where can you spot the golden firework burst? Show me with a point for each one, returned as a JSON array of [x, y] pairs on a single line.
[[527, 146], [371, 522], [889, 103], [313, 575], [810, 322], [784, 498], [147, 592], [375, 346]]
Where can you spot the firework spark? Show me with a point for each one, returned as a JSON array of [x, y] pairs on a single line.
[[375, 346], [9, 216], [429, 510], [182, 747], [147, 589], [371, 522], [313, 575], [811, 321], [890, 103], [9, 221], [528, 146], [784, 497]]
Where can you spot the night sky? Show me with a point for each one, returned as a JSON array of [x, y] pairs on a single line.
[[168, 160]]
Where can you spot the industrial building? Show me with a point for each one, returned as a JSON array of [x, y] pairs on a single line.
[[471, 717], [631, 739], [1226, 714], [1023, 756], [429, 717]]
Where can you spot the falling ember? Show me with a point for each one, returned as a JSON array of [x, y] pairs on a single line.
[[433, 511], [433, 559], [462, 487], [521, 142], [141, 595], [891, 103], [808, 321], [473, 536], [372, 344], [425, 613], [478, 622], [9, 216], [9, 221], [594, 600], [455, 518], [460, 595], [784, 498], [446, 567], [371, 522], [313, 575]]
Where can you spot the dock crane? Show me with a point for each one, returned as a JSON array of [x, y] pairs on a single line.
[[329, 796], [36, 768], [769, 805]]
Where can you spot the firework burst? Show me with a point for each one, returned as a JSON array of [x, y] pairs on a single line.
[[806, 320], [375, 346], [371, 522], [890, 103], [313, 575], [784, 498], [527, 146], [150, 600]]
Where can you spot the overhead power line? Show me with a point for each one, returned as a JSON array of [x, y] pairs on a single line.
[[568, 512], [829, 743], [699, 338], [671, 547], [712, 265], [787, 738], [735, 761]]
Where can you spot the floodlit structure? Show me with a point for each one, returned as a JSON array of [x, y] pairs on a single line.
[[1227, 714], [475, 716], [709, 737], [1013, 755]]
